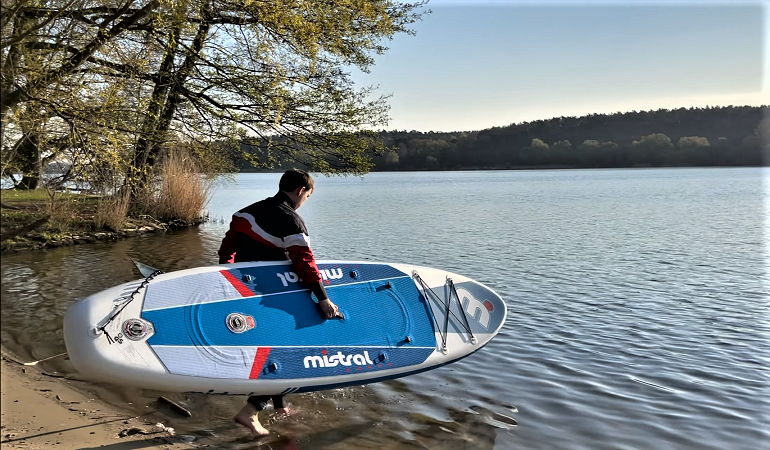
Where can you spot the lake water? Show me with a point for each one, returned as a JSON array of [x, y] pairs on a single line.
[[639, 309]]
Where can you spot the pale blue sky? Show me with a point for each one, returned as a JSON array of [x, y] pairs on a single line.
[[474, 65]]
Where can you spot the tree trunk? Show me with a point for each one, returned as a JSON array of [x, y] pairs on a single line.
[[166, 99], [146, 148], [29, 162]]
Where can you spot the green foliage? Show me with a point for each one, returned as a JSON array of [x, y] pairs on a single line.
[[657, 141], [391, 158], [538, 145], [105, 88], [687, 142]]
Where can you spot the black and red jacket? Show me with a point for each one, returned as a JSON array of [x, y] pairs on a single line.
[[271, 230]]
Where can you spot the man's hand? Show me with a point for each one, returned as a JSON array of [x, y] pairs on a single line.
[[329, 308]]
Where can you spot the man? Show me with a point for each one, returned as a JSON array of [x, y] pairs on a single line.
[[271, 230]]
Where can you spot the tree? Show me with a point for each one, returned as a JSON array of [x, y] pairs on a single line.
[[203, 71], [692, 142], [51, 54], [691, 150], [763, 134], [538, 145], [562, 146], [534, 153], [593, 153], [563, 152], [657, 141], [391, 158], [722, 143], [276, 70], [650, 149]]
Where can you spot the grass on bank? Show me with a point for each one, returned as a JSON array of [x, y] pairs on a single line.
[[43, 215], [10, 196], [64, 211]]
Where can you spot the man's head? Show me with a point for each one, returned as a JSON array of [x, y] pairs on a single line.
[[298, 185]]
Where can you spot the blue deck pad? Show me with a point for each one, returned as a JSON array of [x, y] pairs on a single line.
[[377, 313], [290, 363], [282, 278]]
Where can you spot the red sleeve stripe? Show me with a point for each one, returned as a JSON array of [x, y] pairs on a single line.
[[237, 284], [259, 361]]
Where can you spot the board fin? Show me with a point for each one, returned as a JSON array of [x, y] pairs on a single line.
[[144, 269]]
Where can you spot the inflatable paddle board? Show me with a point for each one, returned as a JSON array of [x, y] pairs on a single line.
[[251, 328]]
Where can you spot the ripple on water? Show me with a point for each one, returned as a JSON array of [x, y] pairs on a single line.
[[638, 310]]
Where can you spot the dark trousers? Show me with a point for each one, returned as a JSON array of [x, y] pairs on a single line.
[[260, 401]]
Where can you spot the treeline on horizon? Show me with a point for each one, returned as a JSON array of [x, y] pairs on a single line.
[[684, 137]]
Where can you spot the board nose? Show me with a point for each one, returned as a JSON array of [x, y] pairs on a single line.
[[485, 310], [80, 334]]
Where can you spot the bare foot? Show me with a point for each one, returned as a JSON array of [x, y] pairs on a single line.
[[285, 412], [247, 417]]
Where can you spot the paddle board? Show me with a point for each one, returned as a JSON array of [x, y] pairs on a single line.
[[251, 328]]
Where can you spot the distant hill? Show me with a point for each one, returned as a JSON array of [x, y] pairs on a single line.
[[713, 136]]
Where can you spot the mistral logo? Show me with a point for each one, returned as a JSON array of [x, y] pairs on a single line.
[[325, 360], [326, 274], [477, 309]]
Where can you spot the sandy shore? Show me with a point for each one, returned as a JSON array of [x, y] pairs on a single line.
[[42, 412]]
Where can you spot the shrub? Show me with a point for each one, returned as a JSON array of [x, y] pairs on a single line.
[[111, 212], [183, 192], [61, 211]]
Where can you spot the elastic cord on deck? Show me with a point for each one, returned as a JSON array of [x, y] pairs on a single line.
[[129, 298], [451, 292]]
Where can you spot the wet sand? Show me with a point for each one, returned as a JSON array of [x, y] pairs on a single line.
[[40, 411]]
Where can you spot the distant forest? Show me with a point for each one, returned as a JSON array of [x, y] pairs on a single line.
[[713, 136]]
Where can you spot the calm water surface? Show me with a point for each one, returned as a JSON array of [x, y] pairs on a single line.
[[638, 299]]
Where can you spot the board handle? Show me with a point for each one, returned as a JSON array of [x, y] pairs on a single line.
[[340, 314]]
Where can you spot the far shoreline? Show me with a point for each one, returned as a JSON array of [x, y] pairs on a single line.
[[519, 168]]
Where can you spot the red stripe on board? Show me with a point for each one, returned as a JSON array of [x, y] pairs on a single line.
[[240, 287], [259, 361]]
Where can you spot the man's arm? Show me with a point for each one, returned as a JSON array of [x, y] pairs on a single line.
[[329, 309], [227, 248], [304, 263]]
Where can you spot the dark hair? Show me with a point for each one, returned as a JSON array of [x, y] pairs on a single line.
[[295, 178]]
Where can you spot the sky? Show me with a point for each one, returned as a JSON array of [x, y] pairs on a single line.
[[474, 65]]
